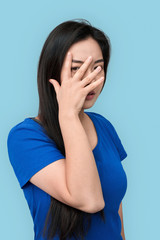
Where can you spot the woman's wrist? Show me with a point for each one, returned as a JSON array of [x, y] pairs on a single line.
[[67, 115]]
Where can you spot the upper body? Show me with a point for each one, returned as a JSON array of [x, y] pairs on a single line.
[[88, 175], [30, 150]]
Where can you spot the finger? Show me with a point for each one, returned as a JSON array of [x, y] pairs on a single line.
[[66, 72], [79, 74], [91, 76], [93, 85], [55, 85]]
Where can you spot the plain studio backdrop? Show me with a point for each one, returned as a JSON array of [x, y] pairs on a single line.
[[130, 98]]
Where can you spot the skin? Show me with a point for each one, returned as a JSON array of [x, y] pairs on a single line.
[[121, 217], [81, 51]]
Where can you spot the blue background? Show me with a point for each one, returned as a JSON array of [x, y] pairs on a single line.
[[130, 98]]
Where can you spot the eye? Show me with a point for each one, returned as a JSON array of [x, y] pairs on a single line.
[[98, 66], [74, 68]]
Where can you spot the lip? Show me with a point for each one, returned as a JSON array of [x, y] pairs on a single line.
[[92, 92], [90, 97]]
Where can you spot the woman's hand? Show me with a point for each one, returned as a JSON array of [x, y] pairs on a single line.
[[73, 90]]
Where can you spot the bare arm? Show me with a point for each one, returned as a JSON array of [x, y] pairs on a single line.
[[74, 180], [82, 176], [121, 216]]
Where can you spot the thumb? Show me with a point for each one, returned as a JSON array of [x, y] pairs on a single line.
[[55, 85]]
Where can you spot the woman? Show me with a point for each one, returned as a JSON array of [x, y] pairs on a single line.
[[79, 196]]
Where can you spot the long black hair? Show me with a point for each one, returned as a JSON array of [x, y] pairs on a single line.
[[63, 219]]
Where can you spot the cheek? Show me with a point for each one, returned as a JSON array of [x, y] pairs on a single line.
[[100, 86], [101, 74], [98, 76]]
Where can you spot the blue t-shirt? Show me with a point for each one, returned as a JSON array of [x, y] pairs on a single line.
[[30, 149]]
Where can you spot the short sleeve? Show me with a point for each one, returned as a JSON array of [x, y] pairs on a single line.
[[29, 151], [114, 135]]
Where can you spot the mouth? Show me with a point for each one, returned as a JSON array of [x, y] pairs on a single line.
[[91, 93], [90, 96]]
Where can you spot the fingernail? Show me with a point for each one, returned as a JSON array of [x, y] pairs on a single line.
[[89, 58], [98, 68], [69, 53]]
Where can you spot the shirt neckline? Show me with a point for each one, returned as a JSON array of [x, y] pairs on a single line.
[[90, 115]]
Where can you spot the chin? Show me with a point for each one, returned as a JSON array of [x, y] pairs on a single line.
[[88, 104]]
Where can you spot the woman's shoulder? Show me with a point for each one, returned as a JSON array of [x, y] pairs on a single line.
[[24, 129]]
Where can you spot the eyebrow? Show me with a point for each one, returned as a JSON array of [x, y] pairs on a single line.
[[78, 61]]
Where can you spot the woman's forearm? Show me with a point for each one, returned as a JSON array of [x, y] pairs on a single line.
[[82, 176]]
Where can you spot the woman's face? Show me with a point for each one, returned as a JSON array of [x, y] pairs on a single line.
[[80, 51]]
